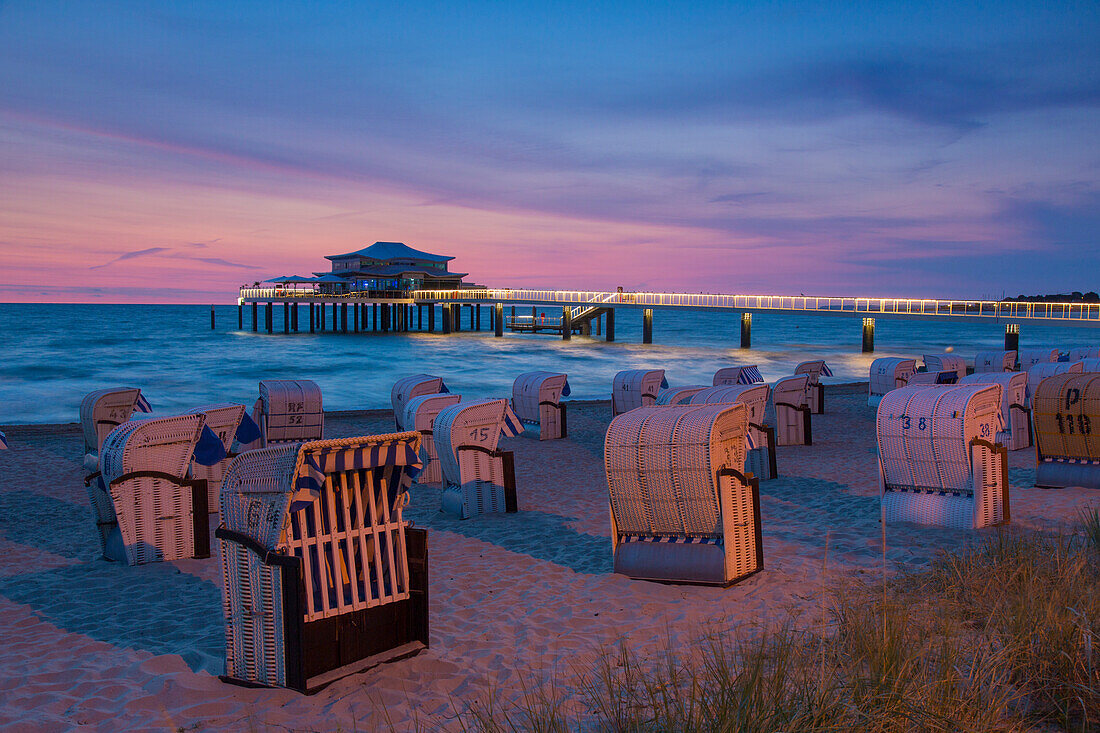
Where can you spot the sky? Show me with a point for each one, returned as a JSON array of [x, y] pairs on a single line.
[[171, 152]]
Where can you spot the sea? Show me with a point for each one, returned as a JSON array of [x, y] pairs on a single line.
[[56, 353]]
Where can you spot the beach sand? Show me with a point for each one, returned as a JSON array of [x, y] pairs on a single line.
[[515, 599]]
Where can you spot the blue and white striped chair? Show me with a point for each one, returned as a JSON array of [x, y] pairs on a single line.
[[815, 370], [477, 477], [747, 374], [420, 414]]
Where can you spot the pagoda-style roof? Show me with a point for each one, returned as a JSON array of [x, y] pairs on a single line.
[[391, 271], [392, 251]]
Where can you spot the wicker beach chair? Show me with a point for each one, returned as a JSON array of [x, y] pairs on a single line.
[[477, 477], [791, 397], [146, 507], [224, 420], [1036, 373], [1090, 365], [101, 412], [406, 388], [747, 374], [681, 509], [536, 400], [937, 459], [1015, 415], [322, 577], [1066, 409], [760, 438], [933, 378], [1031, 357], [677, 395], [420, 414], [945, 363], [1081, 353], [636, 388], [3, 441], [994, 361], [887, 374], [816, 369], [288, 411]]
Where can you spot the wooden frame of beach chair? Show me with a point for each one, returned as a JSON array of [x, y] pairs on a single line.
[[1030, 357], [887, 374], [816, 369], [938, 464], [926, 378], [420, 414], [478, 478], [945, 363], [1036, 373], [681, 509], [634, 388], [1066, 411], [414, 385], [676, 395], [101, 412], [746, 374], [994, 361], [536, 400], [791, 397], [147, 509], [322, 577], [1015, 415], [289, 411], [223, 419], [760, 454]]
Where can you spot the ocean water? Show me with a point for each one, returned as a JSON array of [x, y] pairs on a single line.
[[54, 354]]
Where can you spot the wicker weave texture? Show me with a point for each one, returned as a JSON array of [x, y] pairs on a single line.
[[473, 480], [635, 388], [535, 399], [1036, 373], [252, 606], [1090, 365], [290, 411], [945, 363], [791, 397], [888, 374], [1014, 414], [1079, 353], [676, 395], [994, 361], [420, 414], [406, 388], [104, 410], [734, 375], [1067, 417], [753, 396], [1031, 357]]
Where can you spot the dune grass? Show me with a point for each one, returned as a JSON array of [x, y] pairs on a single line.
[[1001, 636]]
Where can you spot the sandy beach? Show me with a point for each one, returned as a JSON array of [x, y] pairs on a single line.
[[515, 599]]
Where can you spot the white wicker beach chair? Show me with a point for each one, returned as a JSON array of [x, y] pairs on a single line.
[[225, 420], [994, 361], [933, 378], [289, 411], [636, 388], [322, 577], [146, 507], [887, 374], [747, 374], [760, 438], [1031, 357], [1066, 409], [791, 397], [420, 414], [406, 388], [937, 459], [681, 509], [1036, 373], [1090, 365], [677, 395], [945, 363], [477, 477], [3, 441], [536, 400], [1015, 415], [101, 412], [816, 369], [1081, 353]]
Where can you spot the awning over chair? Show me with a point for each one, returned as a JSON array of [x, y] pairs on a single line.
[[309, 482], [825, 370]]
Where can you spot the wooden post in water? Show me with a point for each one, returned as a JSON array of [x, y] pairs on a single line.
[[610, 325], [385, 309], [868, 335], [566, 323], [356, 307], [294, 317], [267, 315], [286, 317], [240, 316], [598, 319], [312, 319], [456, 317], [431, 318], [498, 319], [746, 330], [211, 317], [1012, 337], [647, 325], [419, 317], [255, 321], [446, 318], [478, 311]]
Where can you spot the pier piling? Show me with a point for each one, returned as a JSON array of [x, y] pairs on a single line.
[[255, 321], [647, 326], [294, 318], [312, 319], [240, 316], [566, 323], [1012, 337], [267, 315], [211, 318], [868, 335], [356, 307], [286, 317], [610, 325], [498, 319], [478, 311], [746, 330], [431, 318]]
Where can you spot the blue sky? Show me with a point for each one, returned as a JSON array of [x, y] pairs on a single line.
[[173, 151]]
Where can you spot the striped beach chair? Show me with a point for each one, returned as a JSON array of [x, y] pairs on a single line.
[[747, 374], [887, 374], [937, 459], [536, 400], [816, 369], [760, 438], [791, 398], [636, 388], [288, 411], [1015, 414], [1066, 410], [146, 507], [677, 395], [321, 575], [406, 388], [478, 478], [420, 414], [994, 361], [1031, 357], [1036, 373], [945, 363], [682, 511], [101, 412], [233, 426]]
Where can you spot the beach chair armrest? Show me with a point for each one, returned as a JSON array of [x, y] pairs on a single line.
[[800, 408], [549, 403], [733, 472], [479, 449], [149, 474], [92, 477], [267, 557]]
